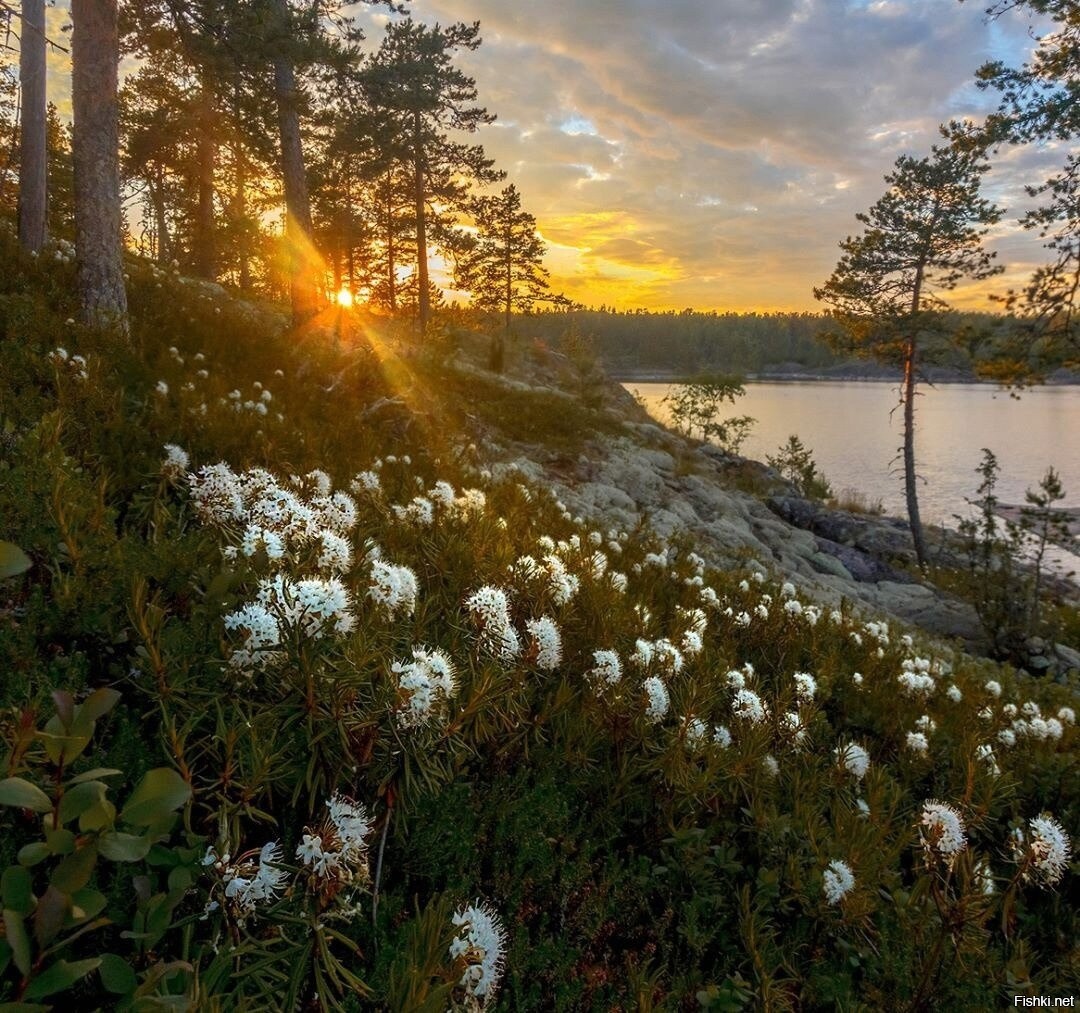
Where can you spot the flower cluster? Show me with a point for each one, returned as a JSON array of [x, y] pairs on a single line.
[[941, 832], [254, 878], [839, 881], [481, 945], [490, 610], [425, 684], [1043, 852], [335, 852]]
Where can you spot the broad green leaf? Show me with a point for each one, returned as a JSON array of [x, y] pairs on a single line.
[[80, 798], [100, 816], [74, 872], [17, 888], [14, 791], [31, 854], [87, 904], [60, 842], [97, 704], [93, 775], [118, 847], [62, 975], [117, 975], [18, 940], [160, 792], [51, 913], [13, 560]]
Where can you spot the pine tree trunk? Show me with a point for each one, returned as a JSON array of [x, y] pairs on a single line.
[[157, 198], [205, 252], [240, 197], [391, 253], [95, 54], [298, 228], [910, 477], [33, 135], [423, 294]]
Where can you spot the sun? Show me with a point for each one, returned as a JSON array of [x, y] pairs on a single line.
[[345, 299]]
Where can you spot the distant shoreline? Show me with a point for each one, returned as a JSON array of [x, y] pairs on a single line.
[[630, 376]]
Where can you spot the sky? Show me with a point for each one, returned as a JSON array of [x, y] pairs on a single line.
[[713, 153]]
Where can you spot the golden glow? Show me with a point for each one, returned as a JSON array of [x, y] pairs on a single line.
[[345, 299]]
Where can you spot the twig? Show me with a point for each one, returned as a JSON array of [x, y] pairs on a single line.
[[13, 12]]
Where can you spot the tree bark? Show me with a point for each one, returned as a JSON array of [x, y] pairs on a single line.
[[95, 55], [157, 198], [391, 253], [910, 478], [33, 136], [298, 227], [423, 295], [240, 198], [205, 246]]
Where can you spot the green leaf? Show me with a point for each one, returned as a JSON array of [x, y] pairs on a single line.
[[117, 975], [60, 976], [31, 854], [23, 1007], [118, 847], [96, 705], [17, 888], [87, 904], [52, 911], [101, 816], [80, 798], [14, 791], [74, 872], [93, 775], [13, 560], [160, 792], [60, 842], [18, 940]]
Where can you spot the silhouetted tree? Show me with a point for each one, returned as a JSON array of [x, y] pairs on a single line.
[[922, 237]]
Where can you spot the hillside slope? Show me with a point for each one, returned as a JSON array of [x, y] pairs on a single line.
[[386, 698]]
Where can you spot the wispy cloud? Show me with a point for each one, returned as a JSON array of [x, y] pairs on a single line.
[[713, 152]]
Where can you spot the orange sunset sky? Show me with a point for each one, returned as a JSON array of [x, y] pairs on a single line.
[[712, 153]]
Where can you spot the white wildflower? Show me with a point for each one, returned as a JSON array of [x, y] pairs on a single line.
[[658, 700], [854, 759], [608, 668], [482, 945], [839, 881], [941, 832], [546, 642]]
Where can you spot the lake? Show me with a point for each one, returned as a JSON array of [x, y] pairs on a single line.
[[855, 441]]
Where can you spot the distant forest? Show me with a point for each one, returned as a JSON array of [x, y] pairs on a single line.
[[688, 342]]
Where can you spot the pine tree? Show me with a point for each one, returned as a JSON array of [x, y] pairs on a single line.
[[502, 266], [95, 53], [922, 237], [413, 81], [1040, 104]]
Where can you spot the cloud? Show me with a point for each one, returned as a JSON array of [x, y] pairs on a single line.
[[720, 149]]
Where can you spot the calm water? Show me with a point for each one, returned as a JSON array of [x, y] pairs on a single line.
[[855, 442]]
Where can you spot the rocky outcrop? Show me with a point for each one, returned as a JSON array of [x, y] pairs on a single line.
[[678, 486]]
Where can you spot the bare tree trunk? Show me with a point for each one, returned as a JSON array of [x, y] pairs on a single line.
[[423, 295], [240, 199], [205, 252], [157, 198], [33, 151], [910, 477], [298, 228], [95, 55], [391, 253]]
